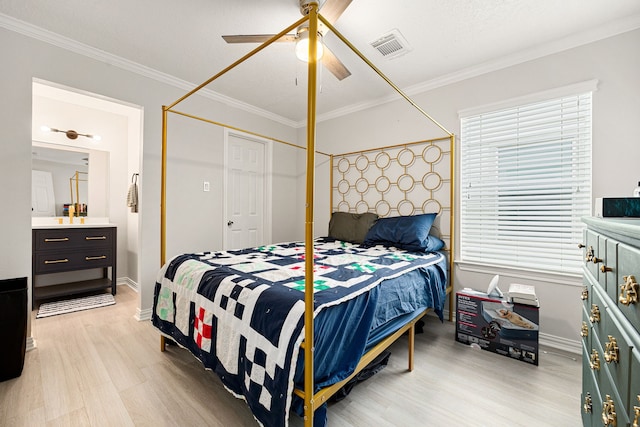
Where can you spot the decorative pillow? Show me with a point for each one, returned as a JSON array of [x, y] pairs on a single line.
[[350, 227], [405, 232]]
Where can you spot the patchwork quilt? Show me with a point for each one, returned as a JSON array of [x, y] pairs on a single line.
[[241, 312]]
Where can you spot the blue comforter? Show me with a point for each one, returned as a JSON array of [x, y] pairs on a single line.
[[241, 312]]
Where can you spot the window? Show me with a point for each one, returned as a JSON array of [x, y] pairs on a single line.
[[525, 175]]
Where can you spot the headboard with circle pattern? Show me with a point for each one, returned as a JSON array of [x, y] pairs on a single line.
[[404, 179]]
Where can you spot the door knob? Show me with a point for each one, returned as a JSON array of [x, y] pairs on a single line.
[[229, 223]]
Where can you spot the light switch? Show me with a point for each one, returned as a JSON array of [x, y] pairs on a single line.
[[205, 186]]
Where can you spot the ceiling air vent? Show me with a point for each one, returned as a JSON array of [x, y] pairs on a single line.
[[391, 45]]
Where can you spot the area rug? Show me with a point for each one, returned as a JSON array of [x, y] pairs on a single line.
[[77, 304]]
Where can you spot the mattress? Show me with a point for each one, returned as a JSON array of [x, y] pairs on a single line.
[[241, 312]]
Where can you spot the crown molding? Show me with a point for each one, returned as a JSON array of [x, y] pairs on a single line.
[[71, 45], [575, 40]]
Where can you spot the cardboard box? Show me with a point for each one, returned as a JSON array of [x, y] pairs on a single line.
[[495, 325]]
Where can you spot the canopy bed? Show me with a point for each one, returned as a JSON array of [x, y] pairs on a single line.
[[249, 314]]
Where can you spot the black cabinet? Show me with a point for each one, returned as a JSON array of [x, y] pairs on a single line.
[[58, 250]]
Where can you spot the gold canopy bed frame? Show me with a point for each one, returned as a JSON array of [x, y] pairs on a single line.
[[313, 400]]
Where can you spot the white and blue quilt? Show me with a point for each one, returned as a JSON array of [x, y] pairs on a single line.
[[241, 312]]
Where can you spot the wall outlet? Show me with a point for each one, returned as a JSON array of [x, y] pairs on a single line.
[[206, 186]]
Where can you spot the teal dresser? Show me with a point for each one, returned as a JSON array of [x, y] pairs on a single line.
[[611, 323]]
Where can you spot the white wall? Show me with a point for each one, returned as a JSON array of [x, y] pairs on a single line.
[[32, 58], [615, 62]]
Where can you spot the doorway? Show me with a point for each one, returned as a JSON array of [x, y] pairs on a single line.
[[247, 198], [119, 125]]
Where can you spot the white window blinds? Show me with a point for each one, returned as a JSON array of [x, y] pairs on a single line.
[[525, 183]]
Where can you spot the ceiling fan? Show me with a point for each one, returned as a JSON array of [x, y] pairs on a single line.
[[331, 10]]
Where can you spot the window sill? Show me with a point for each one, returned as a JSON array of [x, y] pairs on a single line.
[[519, 273]]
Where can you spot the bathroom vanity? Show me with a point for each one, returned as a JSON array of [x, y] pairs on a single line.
[[70, 248]]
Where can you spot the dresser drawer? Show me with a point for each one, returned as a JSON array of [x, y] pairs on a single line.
[[634, 391], [591, 249], [586, 330], [617, 356], [627, 299], [609, 268], [585, 295], [597, 314], [591, 402], [71, 238], [611, 403], [54, 261]]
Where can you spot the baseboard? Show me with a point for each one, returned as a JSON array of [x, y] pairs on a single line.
[[31, 344], [559, 343], [143, 315], [127, 281]]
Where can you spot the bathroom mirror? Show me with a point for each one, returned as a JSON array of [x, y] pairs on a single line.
[[63, 175]]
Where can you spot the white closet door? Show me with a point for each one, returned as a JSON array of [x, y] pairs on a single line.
[[245, 192]]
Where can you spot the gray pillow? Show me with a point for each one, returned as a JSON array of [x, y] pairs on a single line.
[[351, 227]]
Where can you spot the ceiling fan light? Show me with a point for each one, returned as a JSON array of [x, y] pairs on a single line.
[[302, 48]]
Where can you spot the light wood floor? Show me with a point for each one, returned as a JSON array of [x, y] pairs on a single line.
[[102, 367]]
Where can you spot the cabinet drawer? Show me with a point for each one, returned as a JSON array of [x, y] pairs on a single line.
[[629, 265], [591, 250], [595, 360], [591, 402], [617, 356], [612, 404], [634, 391], [56, 261], [587, 289], [70, 238], [585, 329], [599, 259], [597, 314], [609, 268]]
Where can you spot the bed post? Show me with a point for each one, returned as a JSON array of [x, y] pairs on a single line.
[[309, 405], [452, 217], [163, 201]]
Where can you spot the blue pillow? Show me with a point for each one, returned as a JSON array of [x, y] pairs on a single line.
[[405, 232]]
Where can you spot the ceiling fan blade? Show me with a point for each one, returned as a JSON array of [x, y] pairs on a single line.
[[257, 38], [333, 64], [332, 9]]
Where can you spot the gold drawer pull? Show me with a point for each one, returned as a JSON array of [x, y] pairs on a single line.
[[636, 409], [611, 351], [596, 260], [605, 269], [96, 238], [628, 291], [609, 412], [56, 261], [594, 361], [93, 258], [581, 245], [584, 331], [595, 314], [61, 239], [589, 254], [588, 403], [585, 294]]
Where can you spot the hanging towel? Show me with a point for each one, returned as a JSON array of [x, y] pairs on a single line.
[[132, 195]]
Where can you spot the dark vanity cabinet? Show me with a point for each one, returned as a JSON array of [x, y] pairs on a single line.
[[65, 249]]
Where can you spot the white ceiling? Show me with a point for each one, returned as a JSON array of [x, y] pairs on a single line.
[[450, 40]]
